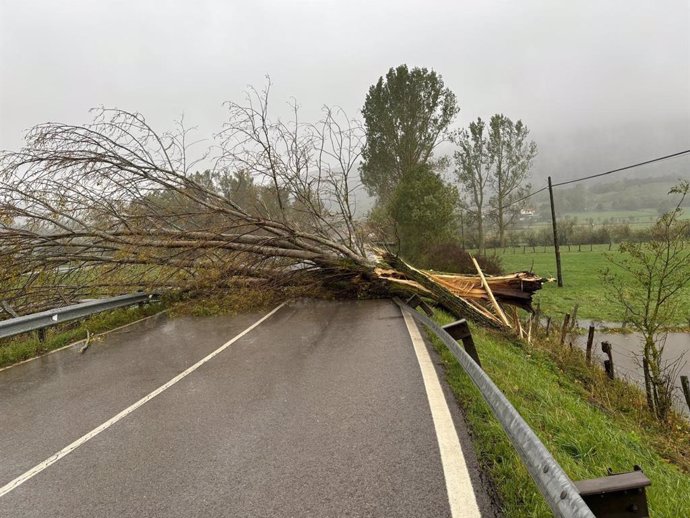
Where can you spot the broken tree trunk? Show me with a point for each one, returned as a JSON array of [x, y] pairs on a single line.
[[498, 309], [457, 306]]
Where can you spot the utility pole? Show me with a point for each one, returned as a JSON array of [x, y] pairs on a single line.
[[559, 274]]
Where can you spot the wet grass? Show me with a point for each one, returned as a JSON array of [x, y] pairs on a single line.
[[587, 422], [581, 282]]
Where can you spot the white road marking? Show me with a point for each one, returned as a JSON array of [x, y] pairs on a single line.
[[461, 497], [93, 433]]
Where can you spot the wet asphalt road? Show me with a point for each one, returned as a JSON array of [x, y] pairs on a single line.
[[319, 411]]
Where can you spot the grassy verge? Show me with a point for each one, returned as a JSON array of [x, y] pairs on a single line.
[[588, 423], [23, 347], [581, 279]]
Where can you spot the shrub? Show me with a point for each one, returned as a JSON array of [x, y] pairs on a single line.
[[451, 257]]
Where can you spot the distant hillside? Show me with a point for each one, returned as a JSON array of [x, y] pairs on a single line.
[[641, 198]]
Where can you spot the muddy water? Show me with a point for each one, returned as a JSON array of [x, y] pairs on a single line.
[[626, 355]]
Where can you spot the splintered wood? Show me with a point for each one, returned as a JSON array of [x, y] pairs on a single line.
[[515, 289]]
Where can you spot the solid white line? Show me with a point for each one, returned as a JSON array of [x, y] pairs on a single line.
[[93, 433], [461, 497]]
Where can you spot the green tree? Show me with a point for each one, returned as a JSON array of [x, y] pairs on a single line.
[[423, 208], [510, 156], [651, 292], [406, 114], [472, 172]]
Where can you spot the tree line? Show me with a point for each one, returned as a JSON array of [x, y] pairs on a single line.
[[407, 114], [270, 200]]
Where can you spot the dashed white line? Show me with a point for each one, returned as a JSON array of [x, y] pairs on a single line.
[[93, 433], [461, 497]]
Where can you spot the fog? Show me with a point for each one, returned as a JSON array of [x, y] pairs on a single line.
[[600, 84]]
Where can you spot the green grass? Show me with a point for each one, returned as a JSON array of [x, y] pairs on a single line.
[[581, 281], [628, 216], [587, 423], [23, 347]]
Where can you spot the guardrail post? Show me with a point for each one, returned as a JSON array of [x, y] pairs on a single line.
[[554, 484], [619, 494], [461, 331], [415, 300], [41, 334]]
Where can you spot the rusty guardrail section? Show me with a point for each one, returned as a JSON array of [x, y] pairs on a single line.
[[37, 321], [554, 484]]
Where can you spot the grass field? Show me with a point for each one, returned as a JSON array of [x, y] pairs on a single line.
[[588, 423], [581, 281]]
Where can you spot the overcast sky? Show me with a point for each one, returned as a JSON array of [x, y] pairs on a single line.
[[600, 83]]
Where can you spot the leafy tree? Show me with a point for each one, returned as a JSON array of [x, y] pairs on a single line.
[[510, 157], [472, 171], [651, 294], [423, 207], [406, 114]]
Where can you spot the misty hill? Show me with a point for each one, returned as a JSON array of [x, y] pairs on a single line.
[[624, 199]]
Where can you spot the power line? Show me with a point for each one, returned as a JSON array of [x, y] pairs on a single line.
[[659, 159], [525, 197]]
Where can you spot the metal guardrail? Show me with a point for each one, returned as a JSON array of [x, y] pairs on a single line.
[[553, 483], [35, 321]]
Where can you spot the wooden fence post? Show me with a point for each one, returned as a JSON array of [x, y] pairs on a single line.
[[686, 389], [608, 364], [590, 341], [564, 329], [573, 318], [548, 326]]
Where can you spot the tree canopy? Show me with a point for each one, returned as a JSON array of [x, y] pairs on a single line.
[[494, 166], [510, 156], [405, 114], [423, 207]]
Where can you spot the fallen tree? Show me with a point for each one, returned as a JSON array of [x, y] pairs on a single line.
[[111, 206]]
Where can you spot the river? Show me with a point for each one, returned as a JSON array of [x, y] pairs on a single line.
[[627, 348]]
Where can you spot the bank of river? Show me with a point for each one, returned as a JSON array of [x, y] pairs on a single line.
[[627, 348]]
